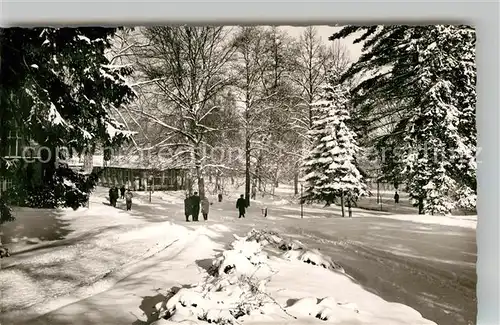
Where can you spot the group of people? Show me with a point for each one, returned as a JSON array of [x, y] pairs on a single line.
[[124, 194], [192, 203], [192, 207]]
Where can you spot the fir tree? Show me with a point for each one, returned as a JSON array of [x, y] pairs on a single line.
[[430, 72], [330, 168], [59, 90]]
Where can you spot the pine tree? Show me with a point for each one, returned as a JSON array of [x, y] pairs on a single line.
[[330, 168], [435, 124], [59, 90], [430, 72]]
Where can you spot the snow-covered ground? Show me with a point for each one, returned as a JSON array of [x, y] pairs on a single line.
[[106, 266]]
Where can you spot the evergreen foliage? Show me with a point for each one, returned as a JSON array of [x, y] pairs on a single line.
[[429, 71], [59, 90], [330, 168]]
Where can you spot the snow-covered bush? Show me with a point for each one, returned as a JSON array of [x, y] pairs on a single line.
[[236, 287], [327, 309], [313, 257], [294, 249], [272, 238], [291, 245], [264, 237], [245, 257]]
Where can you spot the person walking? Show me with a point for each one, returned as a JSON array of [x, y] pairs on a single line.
[[122, 192], [205, 207], [128, 199], [241, 205], [188, 207], [110, 193], [195, 204], [396, 197], [113, 196]]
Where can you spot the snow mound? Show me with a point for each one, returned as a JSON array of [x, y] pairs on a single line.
[[265, 238], [245, 257], [313, 257], [235, 288], [327, 309], [295, 250]]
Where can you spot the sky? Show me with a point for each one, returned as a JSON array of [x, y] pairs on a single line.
[[324, 32]]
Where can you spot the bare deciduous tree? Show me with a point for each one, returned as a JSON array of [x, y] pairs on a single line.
[[184, 70]]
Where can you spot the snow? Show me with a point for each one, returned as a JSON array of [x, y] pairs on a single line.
[[449, 220], [54, 116], [115, 66], [111, 260], [329, 165], [241, 293], [35, 66], [86, 134], [112, 131], [83, 38]]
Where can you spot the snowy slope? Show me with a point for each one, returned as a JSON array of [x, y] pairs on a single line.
[[113, 266]]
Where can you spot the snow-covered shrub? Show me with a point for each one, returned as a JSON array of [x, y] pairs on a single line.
[[294, 249], [67, 188], [314, 257], [291, 245], [244, 258], [327, 309], [235, 288], [307, 306], [266, 237]]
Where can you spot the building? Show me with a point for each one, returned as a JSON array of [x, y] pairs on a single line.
[[24, 154], [132, 171], [136, 173]]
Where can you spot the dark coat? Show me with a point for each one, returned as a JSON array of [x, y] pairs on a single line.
[[195, 203], [188, 207], [241, 204], [113, 193]]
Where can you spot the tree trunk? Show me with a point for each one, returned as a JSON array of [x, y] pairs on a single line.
[[247, 171], [48, 166], [296, 183], [258, 171], [378, 192], [199, 172], [349, 206], [277, 175], [188, 187], [217, 183], [342, 203], [254, 190], [201, 186], [420, 206], [310, 106]]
